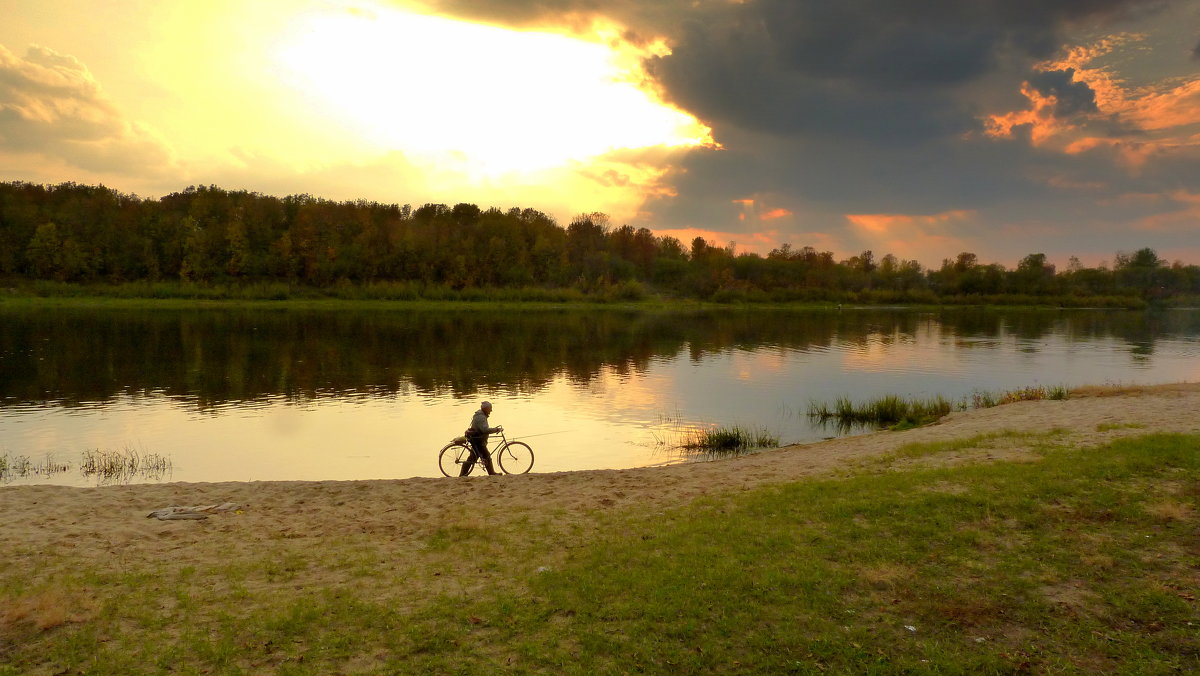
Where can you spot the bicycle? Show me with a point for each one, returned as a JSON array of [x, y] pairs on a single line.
[[514, 457]]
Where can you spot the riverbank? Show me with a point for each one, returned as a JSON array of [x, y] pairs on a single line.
[[283, 294], [648, 304], [91, 583]]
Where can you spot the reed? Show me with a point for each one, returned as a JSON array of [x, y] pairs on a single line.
[[20, 466], [897, 412], [729, 440], [886, 411], [1036, 393], [122, 465]]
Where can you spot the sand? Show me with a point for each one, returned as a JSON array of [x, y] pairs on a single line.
[[47, 530]]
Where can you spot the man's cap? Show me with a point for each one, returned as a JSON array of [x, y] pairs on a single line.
[[486, 404]]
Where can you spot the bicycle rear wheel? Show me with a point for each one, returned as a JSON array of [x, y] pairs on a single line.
[[516, 457], [452, 456]]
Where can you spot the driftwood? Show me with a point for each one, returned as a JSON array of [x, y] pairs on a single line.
[[198, 512]]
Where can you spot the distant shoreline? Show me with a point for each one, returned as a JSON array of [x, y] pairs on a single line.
[[252, 297]]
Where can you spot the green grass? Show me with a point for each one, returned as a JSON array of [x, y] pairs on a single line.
[[1106, 427], [728, 440], [1081, 562], [887, 411], [899, 413]]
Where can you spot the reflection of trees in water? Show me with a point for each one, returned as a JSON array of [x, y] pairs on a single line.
[[217, 356]]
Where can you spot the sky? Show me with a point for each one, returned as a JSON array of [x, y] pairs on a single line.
[[921, 129]]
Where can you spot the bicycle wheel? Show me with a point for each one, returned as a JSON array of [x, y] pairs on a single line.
[[452, 456], [516, 458]]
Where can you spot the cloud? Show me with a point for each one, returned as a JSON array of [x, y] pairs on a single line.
[[1057, 103], [1078, 107], [1182, 214], [861, 107], [51, 105], [873, 69], [760, 208], [909, 235], [876, 108], [1070, 97], [760, 242]]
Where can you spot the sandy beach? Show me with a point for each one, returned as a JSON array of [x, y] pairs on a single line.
[[48, 527]]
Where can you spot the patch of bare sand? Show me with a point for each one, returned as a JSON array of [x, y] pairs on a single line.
[[48, 530]]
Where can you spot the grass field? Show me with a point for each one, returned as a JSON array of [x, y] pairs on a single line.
[[1068, 561]]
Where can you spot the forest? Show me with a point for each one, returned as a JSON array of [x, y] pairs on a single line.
[[207, 236]]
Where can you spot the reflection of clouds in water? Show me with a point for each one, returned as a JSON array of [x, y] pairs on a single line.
[[876, 355], [624, 412], [285, 420]]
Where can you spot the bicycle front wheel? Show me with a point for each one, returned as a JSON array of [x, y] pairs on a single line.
[[516, 458], [451, 458]]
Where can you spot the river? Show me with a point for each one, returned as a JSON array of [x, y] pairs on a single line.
[[287, 394]]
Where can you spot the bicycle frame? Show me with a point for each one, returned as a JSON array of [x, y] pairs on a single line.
[[462, 450]]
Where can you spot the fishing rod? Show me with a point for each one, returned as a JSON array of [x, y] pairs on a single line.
[[543, 434]]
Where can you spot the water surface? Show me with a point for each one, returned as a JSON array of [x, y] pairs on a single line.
[[343, 394]]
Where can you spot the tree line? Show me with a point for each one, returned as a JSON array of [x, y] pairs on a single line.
[[208, 235]]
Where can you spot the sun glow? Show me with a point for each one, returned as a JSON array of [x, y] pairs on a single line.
[[489, 100]]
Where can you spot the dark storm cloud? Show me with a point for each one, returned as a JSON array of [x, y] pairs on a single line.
[[876, 69], [732, 74], [858, 67], [1196, 52], [827, 108]]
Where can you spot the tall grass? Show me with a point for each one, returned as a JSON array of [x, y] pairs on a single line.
[[107, 466], [890, 411], [729, 440], [898, 412], [21, 466], [123, 465], [1036, 393]]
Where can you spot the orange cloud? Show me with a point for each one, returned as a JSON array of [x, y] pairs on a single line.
[[1132, 123], [753, 207], [883, 223], [1040, 118], [755, 242], [1185, 217], [912, 235], [1068, 183]]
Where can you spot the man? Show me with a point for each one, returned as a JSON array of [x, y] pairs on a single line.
[[477, 434]]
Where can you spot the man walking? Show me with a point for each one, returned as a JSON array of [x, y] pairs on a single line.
[[477, 434]]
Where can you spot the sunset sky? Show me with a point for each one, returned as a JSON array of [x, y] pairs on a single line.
[[923, 129]]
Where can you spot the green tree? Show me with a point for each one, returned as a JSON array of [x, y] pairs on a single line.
[[44, 252]]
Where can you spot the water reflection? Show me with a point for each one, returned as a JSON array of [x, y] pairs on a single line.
[[288, 394], [213, 358]]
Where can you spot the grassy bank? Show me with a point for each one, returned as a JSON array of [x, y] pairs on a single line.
[[1070, 561], [897, 412], [620, 292]]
